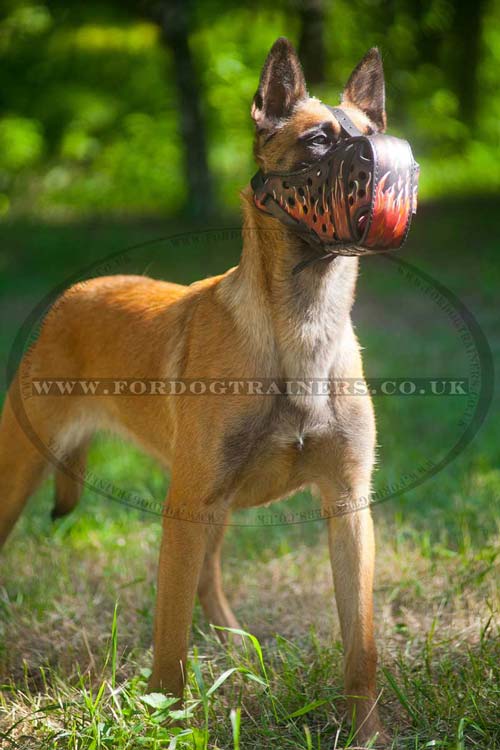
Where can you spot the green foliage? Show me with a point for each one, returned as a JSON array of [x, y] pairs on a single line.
[[21, 143], [91, 119]]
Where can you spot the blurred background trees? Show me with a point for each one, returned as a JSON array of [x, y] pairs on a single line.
[[143, 107]]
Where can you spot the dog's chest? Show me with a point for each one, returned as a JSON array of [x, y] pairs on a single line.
[[288, 425], [267, 456]]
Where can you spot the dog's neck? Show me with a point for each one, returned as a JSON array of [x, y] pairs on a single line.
[[300, 319]]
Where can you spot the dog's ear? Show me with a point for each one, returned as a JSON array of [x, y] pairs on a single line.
[[281, 86], [366, 88]]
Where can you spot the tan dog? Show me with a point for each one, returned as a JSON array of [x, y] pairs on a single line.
[[255, 321]]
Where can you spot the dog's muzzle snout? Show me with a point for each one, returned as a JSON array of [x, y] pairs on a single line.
[[359, 199]]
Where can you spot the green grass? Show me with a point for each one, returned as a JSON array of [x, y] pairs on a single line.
[[77, 596]]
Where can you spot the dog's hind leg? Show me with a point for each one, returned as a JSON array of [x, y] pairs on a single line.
[[210, 591], [70, 480], [21, 469], [38, 434]]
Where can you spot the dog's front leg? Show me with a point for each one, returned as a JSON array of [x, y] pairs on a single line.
[[352, 553], [181, 556]]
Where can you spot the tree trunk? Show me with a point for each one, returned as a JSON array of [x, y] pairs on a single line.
[[311, 42], [174, 21], [465, 55]]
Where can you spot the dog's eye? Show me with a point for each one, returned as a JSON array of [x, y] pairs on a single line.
[[320, 139]]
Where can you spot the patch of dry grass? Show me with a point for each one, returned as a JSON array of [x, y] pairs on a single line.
[[436, 619]]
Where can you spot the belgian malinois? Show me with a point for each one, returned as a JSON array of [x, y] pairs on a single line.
[[259, 320]]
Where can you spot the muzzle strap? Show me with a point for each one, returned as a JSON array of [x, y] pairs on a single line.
[[344, 121]]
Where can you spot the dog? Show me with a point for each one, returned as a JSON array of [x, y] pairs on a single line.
[[259, 320]]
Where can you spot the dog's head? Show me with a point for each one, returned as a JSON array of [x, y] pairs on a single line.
[[292, 129], [329, 172]]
